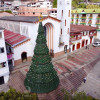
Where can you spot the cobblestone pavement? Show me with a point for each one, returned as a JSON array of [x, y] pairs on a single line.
[[4, 88], [66, 64], [92, 85]]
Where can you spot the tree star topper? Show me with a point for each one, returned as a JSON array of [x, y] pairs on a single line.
[[40, 18]]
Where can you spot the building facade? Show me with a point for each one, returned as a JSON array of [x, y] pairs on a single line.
[[4, 69], [89, 17]]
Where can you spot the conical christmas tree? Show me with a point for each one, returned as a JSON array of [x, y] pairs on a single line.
[[41, 77]]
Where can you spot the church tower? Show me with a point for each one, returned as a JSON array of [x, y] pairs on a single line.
[[64, 14]]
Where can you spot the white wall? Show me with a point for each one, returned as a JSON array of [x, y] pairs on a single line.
[[25, 47], [3, 58]]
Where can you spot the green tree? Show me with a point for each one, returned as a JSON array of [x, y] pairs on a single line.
[[12, 94], [41, 78]]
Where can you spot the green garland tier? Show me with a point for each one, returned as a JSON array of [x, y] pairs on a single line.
[[41, 77]]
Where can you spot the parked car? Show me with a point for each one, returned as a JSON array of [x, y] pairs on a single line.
[[96, 44]]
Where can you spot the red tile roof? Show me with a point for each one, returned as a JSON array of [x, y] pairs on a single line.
[[14, 38], [81, 28]]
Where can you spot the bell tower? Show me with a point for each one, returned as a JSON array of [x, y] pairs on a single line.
[[64, 14]]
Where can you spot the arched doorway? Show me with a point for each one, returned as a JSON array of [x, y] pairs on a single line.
[[48, 32], [24, 56]]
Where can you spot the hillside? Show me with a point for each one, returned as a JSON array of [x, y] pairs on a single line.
[[75, 3]]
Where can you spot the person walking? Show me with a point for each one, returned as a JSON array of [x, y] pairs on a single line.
[[84, 79]]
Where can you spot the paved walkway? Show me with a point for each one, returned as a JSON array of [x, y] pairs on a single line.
[[68, 63], [92, 85]]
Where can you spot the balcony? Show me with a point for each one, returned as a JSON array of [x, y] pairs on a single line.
[[9, 56], [90, 17], [98, 17], [72, 17], [97, 23], [83, 23], [75, 38], [77, 17], [89, 23], [93, 34], [72, 22], [61, 44], [83, 17], [76, 22]]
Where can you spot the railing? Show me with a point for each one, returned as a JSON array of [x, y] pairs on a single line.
[[72, 17], [97, 23], [78, 38], [89, 23], [72, 22], [77, 17], [90, 17], [61, 43], [93, 34], [83, 17], [75, 38], [76, 22], [82, 22], [98, 17]]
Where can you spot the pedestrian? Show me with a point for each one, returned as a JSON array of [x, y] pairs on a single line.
[[84, 79], [86, 46]]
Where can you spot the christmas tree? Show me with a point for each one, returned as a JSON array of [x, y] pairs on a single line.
[[41, 77]]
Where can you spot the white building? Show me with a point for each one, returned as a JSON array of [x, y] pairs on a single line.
[[41, 4], [4, 69], [60, 37]]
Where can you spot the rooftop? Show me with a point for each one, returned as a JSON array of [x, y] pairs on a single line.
[[86, 11], [29, 19], [14, 39], [81, 28]]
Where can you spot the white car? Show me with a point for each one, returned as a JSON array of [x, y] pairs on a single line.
[[96, 44]]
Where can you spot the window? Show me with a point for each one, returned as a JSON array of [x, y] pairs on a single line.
[[65, 22], [69, 14], [0, 34], [33, 13], [2, 64], [61, 31], [2, 50], [68, 30], [62, 12]]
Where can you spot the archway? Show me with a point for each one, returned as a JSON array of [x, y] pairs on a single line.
[[49, 33], [24, 56]]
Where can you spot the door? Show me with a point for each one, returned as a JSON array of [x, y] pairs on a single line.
[[90, 40], [73, 47], [65, 48], [78, 45], [83, 43], [86, 42]]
